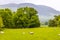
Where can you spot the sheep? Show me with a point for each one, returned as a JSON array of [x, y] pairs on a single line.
[[1, 32], [31, 33]]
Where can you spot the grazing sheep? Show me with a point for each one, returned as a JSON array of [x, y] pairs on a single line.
[[1, 32], [31, 33]]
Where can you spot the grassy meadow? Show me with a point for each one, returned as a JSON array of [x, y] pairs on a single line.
[[24, 23], [43, 33]]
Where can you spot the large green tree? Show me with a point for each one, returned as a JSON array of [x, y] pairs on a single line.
[[26, 17]]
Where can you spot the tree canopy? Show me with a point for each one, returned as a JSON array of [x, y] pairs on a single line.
[[55, 22], [25, 17]]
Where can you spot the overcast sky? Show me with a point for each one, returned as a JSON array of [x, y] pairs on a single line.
[[51, 3]]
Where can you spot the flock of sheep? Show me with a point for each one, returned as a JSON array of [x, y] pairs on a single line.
[[1, 32]]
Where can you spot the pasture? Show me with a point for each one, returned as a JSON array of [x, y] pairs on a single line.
[[43, 33]]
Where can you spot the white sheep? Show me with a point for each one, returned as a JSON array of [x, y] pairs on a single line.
[[31, 33], [1, 32]]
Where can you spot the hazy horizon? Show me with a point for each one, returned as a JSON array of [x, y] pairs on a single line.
[[51, 3]]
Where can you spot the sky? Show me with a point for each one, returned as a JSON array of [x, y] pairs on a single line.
[[51, 3]]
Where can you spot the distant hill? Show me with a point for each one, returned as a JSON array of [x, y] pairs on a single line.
[[45, 13]]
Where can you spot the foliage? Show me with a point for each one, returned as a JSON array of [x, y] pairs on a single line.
[[1, 23], [55, 22], [25, 17], [46, 23], [7, 17]]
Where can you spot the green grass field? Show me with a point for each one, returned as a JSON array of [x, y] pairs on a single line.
[[39, 34]]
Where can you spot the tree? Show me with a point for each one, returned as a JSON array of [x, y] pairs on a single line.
[[1, 23], [7, 17], [52, 23], [26, 17], [55, 22], [46, 23]]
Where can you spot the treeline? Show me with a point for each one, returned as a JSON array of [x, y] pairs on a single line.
[[25, 17], [55, 22]]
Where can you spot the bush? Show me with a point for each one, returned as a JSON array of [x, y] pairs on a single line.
[[55, 22]]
